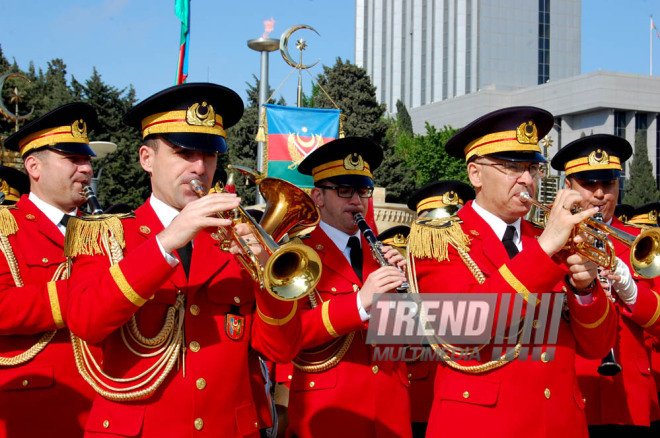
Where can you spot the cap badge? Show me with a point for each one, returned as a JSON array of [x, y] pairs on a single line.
[[399, 239], [598, 157], [526, 133], [354, 161], [79, 129], [200, 115], [450, 198], [653, 216], [4, 187]]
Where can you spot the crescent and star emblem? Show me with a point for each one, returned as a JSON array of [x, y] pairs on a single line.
[[284, 47]]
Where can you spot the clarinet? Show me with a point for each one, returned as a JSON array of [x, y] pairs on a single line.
[[376, 246], [92, 201], [608, 366]]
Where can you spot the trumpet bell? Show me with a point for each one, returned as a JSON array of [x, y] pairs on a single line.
[[288, 208], [645, 253], [292, 272]]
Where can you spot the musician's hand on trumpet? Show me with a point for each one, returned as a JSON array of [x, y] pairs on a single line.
[[245, 232], [197, 215], [583, 271], [562, 221]]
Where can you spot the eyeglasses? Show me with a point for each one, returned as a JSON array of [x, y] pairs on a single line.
[[348, 192], [516, 169]]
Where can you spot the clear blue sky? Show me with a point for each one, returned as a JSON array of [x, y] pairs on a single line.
[[136, 41]]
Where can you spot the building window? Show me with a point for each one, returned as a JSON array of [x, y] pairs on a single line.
[[544, 42], [620, 124]]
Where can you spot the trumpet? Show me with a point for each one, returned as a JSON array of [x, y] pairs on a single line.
[[293, 269], [644, 248]]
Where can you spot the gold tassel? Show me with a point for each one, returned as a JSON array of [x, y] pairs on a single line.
[[342, 118], [8, 225], [86, 235], [430, 239], [261, 132]]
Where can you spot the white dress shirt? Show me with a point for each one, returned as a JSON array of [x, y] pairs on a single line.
[[340, 239], [53, 213]]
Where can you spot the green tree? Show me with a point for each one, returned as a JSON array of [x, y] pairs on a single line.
[[350, 88], [425, 156], [404, 121], [640, 187], [123, 180]]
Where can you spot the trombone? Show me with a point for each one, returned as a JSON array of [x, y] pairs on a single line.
[[644, 248], [293, 269]]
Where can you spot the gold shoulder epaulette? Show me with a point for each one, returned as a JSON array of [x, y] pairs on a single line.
[[92, 235], [429, 237], [8, 225]]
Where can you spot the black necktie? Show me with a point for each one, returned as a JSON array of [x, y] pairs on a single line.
[[356, 255], [508, 242], [65, 219], [185, 254]]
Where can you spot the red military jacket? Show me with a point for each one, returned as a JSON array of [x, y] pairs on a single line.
[[531, 398], [359, 396], [46, 395], [630, 397], [214, 395]]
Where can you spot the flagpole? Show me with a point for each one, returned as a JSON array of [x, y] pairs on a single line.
[[651, 46]]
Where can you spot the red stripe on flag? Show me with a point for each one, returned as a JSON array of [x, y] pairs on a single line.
[[278, 146], [180, 78]]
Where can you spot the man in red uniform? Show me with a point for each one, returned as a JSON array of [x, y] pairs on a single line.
[[527, 390], [173, 312], [13, 185], [338, 387], [41, 392], [624, 403], [437, 199]]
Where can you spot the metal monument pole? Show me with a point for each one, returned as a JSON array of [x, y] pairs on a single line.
[[263, 45]]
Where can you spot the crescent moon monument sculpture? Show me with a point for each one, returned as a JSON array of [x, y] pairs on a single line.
[[301, 45], [3, 109]]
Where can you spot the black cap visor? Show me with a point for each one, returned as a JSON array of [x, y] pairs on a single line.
[[597, 175], [197, 142], [69, 148], [532, 157], [351, 180]]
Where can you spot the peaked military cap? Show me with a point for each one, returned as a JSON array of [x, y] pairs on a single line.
[[511, 134], [396, 236], [624, 212], [646, 214], [447, 195], [192, 116], [13, 184], [64, 129], [597, 157], [347, 161]]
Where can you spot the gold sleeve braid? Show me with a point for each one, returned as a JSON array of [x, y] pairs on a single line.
[[656, 314], [278, 321], [445, 232]]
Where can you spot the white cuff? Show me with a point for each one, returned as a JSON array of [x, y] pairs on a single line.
[[169, 258], [364, 315]]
